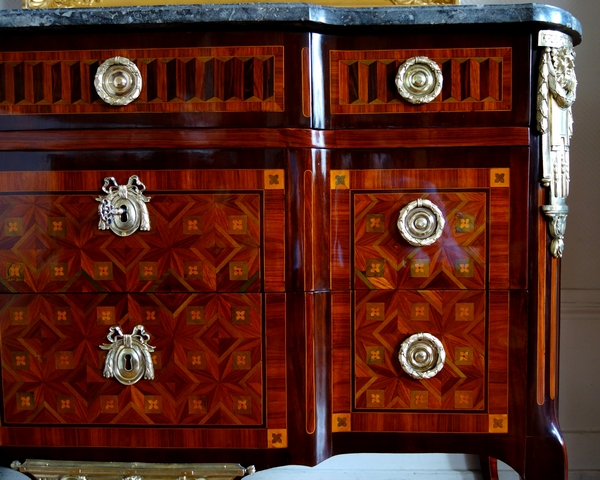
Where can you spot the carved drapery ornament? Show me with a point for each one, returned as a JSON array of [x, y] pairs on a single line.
[[556, 94], [123, 209]]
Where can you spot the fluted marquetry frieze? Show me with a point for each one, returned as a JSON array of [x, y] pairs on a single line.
[[201, 79], [473, 79]]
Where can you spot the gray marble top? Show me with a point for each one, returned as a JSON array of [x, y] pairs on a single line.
[[544, 15]]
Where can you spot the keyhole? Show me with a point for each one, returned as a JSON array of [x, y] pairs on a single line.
[[123, 213], [128, 363]]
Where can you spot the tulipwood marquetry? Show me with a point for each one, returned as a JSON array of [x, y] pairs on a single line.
[[210, 348], [274, 281]]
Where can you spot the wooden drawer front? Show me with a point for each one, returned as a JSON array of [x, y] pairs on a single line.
[[371, 392], [385, 260], [199, 241], [208, 361], [384, 319], [473, 244], [363, 81], [213, 79]]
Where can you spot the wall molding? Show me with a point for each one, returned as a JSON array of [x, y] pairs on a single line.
[[580, 304]]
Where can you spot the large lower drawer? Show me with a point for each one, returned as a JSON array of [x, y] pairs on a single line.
[[373, 392], [217, 361]]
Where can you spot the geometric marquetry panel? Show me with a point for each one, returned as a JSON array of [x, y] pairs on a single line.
[[386, 318], [385, 260], [219, 358], [371, 391], [235, 79], [202, 240], [368, 251], [208, 360], [386, 290], [473, 79], [197, 242]]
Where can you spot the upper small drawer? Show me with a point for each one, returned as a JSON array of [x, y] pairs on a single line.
[[416, 81], [412, 80], [201, 79]]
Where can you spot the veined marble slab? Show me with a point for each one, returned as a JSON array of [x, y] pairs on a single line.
[[544, 15]]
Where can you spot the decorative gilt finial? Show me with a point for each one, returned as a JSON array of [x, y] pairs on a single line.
[[556, 94]]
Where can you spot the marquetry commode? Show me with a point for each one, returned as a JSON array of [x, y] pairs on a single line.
[[267, 234]]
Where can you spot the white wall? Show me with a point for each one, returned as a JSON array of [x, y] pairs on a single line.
[[580, 356], [10, 4]]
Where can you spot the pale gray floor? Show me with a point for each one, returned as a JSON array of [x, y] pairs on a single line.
[[381, 467], [397, 467], [385, 467]]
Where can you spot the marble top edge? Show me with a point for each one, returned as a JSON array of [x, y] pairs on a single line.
[[545, 15]]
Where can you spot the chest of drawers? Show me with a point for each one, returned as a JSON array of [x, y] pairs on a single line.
[[325, 230]]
